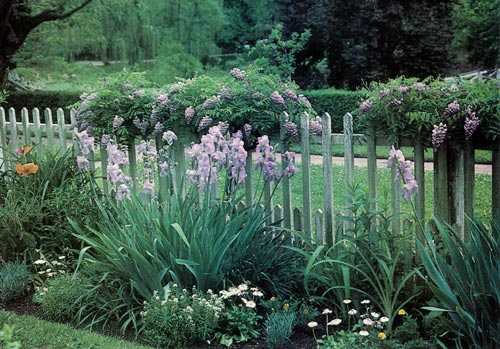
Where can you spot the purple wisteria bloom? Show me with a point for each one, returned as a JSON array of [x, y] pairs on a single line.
[[291, 95], [404, 89], [238, 74], [383, 93], [210, 103], [278, 99], [439, 134], [292, 129], [420, 86], [247, 129], [365, 106], [396, 158], [189, 114], [304, 101], [394, 102], [471, 122], [452, 108], [226, 93], [205, 122], [316, 126], [158, 129], [169, 137], [117, 122]]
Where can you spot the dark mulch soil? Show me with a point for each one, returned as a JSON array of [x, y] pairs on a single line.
[[299, 340]]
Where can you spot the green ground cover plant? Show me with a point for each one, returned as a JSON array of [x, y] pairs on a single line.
[[33, 333]]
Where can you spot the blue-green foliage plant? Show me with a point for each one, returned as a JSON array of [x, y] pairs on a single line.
[[464, 278], [15, 280]]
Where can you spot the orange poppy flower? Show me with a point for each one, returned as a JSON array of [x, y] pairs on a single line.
[[26, 169]]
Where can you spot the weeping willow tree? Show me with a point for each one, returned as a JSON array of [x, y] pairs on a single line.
[[132, 31]]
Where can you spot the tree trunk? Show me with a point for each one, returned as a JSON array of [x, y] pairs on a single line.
[[4, 70]]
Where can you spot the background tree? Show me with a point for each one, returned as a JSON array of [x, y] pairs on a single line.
[[478, 31], [19, 17]]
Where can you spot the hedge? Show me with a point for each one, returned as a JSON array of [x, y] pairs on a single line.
[[41, 100], [336, 103]]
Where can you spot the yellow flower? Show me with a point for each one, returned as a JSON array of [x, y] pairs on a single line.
[[26, 169], [286, 306], [382, 336], [401, 312]]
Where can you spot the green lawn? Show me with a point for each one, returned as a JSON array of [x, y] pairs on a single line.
[[35, 333]]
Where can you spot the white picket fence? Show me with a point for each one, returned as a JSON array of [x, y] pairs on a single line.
[[321, 223]]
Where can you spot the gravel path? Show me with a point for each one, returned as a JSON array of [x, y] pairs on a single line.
[[361, 162]]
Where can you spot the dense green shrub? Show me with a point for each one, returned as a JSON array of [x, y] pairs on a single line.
[[435, 111], [63, 296], [250, 102], [181, 317], [15, 280], [42, 100], [35, 200], [336, 103]]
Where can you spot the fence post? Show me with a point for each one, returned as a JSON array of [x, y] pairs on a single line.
[[306, 174], [372, 170], [348, 169], [396, 200], [287, 190], [469, 173], [249, 180], [328, 179], [72, 116], [441, 180], [418, 152], [456, 187], [3, 140], [104, 166], [268, 201], [180, 167]]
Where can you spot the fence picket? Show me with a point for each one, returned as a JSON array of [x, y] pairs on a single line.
[[26, 132], [306, 175], [297, 219], [319, 231], [287, 190], [249, 180], [348, 168], [495, 180], [13, 129], [36, 126], [61, 130], [328, 179], [49, 130], [4, 164], [278, 215]]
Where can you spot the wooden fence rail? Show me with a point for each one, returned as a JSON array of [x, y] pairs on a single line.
[[453, 197]]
